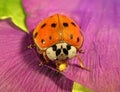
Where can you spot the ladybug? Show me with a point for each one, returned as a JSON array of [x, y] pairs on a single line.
[[58, 38]]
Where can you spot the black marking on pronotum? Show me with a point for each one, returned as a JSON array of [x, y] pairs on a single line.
[[65, 51], [71, 36], [35, 35], [68, 47], [78, 39], [65, 24], [58, 52], [53, 25], [43, 25], [73, 24], [54, 47], [61, 46], [43, 41]]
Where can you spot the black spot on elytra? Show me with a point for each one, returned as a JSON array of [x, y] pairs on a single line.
[[65, 24], [71, 36], [35, 35], [43, 25], [58, 52], [78, 39], [50, 37], [68, 47], [61, 46], [73, 24], [65, 51], [54, 47], [53, 25], [43, 41]]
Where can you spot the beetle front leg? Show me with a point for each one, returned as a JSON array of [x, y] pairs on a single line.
[[31, 46], [81, 51], [82, 64], [45, 61]]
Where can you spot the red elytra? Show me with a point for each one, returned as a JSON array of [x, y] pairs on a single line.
[[55, 29]]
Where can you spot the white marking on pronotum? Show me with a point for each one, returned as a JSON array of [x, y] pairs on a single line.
[[51, 54]]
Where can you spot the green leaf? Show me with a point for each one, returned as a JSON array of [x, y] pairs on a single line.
[[13, 9], [79, 88]]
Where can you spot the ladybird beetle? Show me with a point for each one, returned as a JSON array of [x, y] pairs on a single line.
[[58, 38]]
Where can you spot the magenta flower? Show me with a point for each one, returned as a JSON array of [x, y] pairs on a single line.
[[19, 66], [99, 20]]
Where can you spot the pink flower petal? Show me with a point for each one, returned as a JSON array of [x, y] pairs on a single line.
[[102, 48], [19, 66], [100, 22]]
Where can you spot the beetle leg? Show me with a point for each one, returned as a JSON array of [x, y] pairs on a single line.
[[82, 64], [81, 51], [45, 57], [31, 46], [42, 63]]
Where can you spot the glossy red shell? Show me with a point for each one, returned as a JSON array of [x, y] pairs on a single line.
[[55, 29]]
